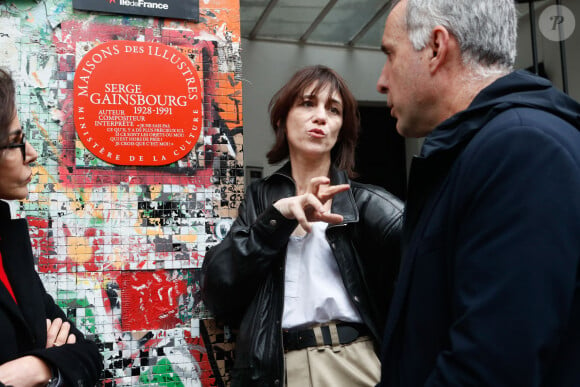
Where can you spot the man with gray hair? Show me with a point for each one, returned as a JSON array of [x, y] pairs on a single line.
[[489, 291]]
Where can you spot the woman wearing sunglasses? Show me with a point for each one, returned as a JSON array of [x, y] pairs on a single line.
[[39, 346]]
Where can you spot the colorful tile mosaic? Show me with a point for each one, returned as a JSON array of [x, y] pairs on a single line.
[[120, 247]]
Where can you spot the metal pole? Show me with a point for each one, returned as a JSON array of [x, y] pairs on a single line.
[[562, 54], [534, 43]]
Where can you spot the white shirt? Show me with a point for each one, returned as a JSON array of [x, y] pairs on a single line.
[[313, 290]]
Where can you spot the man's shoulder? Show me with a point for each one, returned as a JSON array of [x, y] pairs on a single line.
[[524, 124], [530, 117]]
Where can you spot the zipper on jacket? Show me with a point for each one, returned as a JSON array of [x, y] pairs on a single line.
[[283, 294]]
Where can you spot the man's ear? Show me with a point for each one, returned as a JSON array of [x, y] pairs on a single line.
[[440, 46]]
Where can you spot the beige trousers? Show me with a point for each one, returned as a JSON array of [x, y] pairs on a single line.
[[349, 365]]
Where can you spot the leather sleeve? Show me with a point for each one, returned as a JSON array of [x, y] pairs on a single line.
[[234, 269], [378, 242]]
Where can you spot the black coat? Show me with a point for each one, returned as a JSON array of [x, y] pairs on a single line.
[[23, 326], [244, 274]]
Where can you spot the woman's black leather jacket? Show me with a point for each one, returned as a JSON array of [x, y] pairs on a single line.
[[243, 283]]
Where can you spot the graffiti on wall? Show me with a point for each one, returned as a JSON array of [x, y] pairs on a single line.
[[121, 247]]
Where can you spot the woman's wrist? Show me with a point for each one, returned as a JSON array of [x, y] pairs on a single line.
[[42, 372], [55, 378]]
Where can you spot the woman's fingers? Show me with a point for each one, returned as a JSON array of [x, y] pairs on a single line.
[[327, 192], [310, 207], [62, 334], [58, 333], [315, 184], [52, 328], [71, 339], [314, 211], [331, 218], [320, 186]]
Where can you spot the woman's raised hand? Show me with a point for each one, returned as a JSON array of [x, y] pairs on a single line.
[[313, 205]]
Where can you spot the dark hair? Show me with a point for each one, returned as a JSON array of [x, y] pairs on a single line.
[[342, 154], [7, 103]]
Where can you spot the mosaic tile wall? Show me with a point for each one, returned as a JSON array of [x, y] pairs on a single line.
[[120, 248]]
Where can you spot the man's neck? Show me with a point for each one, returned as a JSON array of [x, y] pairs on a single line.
[[463, 89]]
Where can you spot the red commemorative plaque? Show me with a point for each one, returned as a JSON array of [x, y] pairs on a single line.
[[137, 103]]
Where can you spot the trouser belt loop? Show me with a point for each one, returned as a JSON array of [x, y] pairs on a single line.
[[318, 336], [334, 339]]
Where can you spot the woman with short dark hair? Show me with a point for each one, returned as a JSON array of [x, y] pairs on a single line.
[[39, 346], [307, 268]]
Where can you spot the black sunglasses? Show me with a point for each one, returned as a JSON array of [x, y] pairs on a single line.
[[21, 145]]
